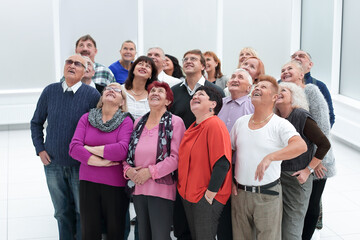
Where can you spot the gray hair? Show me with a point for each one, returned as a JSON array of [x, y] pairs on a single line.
[[162, 51], [298, 97], [246, 72], [89, 60]]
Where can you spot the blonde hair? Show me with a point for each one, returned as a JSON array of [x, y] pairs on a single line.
[[123, 107]]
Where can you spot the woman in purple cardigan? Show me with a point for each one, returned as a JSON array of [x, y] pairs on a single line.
[[152, 160], [100, 144]]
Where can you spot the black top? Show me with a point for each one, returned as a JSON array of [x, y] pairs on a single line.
[[181, 104]]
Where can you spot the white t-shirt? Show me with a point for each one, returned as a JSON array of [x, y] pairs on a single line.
[[253, 145]]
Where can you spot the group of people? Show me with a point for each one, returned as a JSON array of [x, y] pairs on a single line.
[[238, 157]]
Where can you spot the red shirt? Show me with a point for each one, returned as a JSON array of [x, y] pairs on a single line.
[[200, 148]]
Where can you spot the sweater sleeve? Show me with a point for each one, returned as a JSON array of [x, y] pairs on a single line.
[[118, 151], [76, 148], [325, 91], [37, 122], [170, 163], [315, 135], [218, 175]]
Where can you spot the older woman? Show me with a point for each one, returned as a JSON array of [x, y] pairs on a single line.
[[213, 70], [141, 74], [151, 162], [100, 143], [292, 72], [245, 53], [204, 165], [296, 174], [172, 67]]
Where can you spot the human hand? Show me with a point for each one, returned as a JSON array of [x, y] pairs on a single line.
[[100, 162], [319, 170], [261, 168], [44, 157], [142, 176], [234, 189], [131, 172], [302, 175]]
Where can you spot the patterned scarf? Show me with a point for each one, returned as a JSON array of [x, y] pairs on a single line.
[[95, 119], [163, 144]]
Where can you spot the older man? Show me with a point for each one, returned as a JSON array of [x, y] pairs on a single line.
[[86, 46], [235, 106], [61, 105], [89, 73], [262, 140], [120, 68], [158, 56], [304, 58]]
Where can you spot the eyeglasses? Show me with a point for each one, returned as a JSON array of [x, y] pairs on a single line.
[[114, 89], [191, 59], [76, 63], [300, 55]]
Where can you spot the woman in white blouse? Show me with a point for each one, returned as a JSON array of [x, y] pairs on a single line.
[[141, 74]]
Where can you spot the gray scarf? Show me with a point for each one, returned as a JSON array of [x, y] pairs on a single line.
[[95, 119]]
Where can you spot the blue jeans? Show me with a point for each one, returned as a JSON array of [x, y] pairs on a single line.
[[63, 183]]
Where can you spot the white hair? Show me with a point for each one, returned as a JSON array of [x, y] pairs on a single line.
[[247, 74], [298, 97]]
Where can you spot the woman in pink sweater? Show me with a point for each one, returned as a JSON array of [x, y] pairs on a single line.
[[100, 143], [151, 162]]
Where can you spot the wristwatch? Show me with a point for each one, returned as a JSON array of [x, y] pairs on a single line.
[[310, 169]]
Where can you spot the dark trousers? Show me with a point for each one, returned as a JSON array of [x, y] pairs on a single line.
[[224, 231], [181, 226], [154, 217], [100, 201], [203, 218], [312, 214]]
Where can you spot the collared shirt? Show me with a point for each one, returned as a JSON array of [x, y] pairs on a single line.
[[103, 75], [234, 109], [163, 77], [137, 108], [92, 84], [74, 88], [199, 83]]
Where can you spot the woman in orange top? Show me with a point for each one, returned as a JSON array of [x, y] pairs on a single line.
[[204, 180]]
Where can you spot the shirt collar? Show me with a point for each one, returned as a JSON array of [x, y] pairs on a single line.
[[74, 88], [199, 83], [238, 100]]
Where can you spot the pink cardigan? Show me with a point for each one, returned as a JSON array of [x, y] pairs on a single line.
[[145, 156]]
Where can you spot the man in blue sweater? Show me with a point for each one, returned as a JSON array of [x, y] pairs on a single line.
[[304, 58], [62, 104]]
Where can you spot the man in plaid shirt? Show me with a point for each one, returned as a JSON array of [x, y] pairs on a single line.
[[86, 46]]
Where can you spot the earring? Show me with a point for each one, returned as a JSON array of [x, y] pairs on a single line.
[[210, 109]]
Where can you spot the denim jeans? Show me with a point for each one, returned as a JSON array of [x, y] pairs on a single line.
[[63, 184]]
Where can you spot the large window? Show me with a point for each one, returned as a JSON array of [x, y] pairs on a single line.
[[350, 61]]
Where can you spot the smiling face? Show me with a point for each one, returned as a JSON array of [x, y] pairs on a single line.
[[284, 96], [168, 66], [200, 104], [239, 83], [192, 64], [252, 67], [90, 72], [86, 48], [291, 73], [211, 64], [113, 95], [157, 98], [263, 93], [243, 55], [128, 51], [75, 71], [143, 70]]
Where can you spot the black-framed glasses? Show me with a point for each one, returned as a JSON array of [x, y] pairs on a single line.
[[114, 89], [76, 63]]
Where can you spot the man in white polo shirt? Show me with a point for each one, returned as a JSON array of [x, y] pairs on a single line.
[[261, 140]]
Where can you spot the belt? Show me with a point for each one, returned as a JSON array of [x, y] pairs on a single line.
[[260, 189]]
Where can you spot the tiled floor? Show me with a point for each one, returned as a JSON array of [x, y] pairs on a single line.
[[26, 210]]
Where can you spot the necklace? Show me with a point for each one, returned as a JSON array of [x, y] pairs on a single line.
[[137, 94], [256, 123]]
